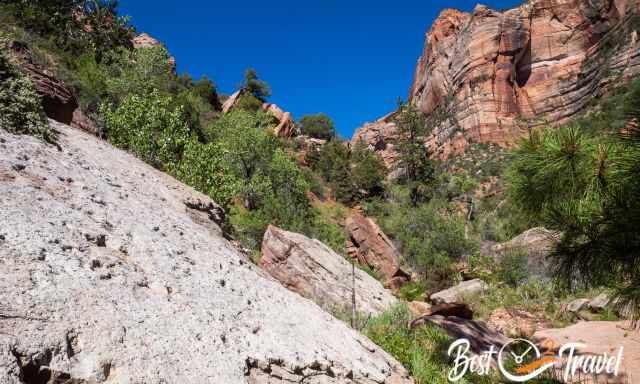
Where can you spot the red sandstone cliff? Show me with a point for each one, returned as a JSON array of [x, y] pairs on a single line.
[[496, 74]]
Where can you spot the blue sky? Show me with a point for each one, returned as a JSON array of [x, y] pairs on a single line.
[[348, 58]]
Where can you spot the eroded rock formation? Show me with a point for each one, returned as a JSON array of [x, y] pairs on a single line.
[[111, 271], [489, 76], [369, 245], [286, 126], [310, 268]]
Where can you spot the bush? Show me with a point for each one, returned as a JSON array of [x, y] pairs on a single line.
[[512, 268], [432, 235], [319, 126], [203, 167], [20, 105], [148, 127], [139, 72]]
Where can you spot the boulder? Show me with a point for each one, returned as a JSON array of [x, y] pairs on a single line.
[[112, 271], [313, 270], [309, 147], [599, 303], [577, 305], [368, 244], [536, 244], [58, 101], [456, 294], [419, 308]]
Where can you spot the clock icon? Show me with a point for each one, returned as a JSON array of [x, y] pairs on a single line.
[[520, 360]]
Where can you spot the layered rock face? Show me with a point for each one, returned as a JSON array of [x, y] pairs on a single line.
[[313, 270], [379, 136], [111, 271], [489, 76]]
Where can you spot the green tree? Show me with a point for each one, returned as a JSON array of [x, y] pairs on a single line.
[[252, 85], [319, 126], [586, 187], [334, 165], [149, 127], [206, 89], [368, 171], [418, 171], [139, 72]]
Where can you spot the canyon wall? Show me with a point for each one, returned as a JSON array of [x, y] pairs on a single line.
[[492, 75]]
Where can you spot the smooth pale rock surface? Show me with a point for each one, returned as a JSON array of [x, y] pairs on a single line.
[[310, 268], [457, 293], [111, 271]]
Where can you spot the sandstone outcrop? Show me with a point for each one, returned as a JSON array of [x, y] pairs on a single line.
[[111, 271], [368, 244], [58, 100], [490, 76], [144, 40], [286, 126], [313, 270], [457, 293], [379, 136]]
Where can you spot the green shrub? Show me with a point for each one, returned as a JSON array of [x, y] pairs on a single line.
[[148, 127], [512, 268], [432, 235], [139, 72], [203, 167], [414, 291], [20, 105], [249, 103]]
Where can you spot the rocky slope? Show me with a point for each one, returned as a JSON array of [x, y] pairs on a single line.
[[111, 271], [488, 76]]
